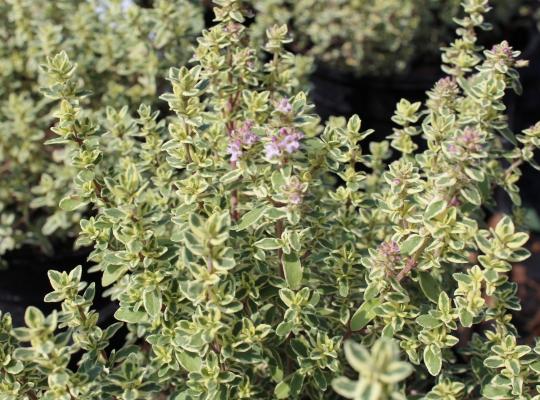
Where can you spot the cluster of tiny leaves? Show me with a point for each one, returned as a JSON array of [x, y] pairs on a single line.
[[255, 254], [122, 50], [373, 37]]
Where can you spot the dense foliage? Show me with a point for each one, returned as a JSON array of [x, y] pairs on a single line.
[[370, 37], [257, 254], [122, 51]]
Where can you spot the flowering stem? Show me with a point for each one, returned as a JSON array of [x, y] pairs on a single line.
[[235, 215], [406, 271], [513, 167], [413, 261]]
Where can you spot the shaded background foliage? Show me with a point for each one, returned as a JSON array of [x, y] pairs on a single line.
[[123, 52]]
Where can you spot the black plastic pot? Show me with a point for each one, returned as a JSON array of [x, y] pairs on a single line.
[[24, 282], [374, 99], [525, 112]]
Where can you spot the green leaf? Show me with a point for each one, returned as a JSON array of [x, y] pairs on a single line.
[[237, 16], [535, 366], [282, 390], [152, 302], [55, 278], [475, 174], [299, 347], [517, 240], [396, 372], [411, 244], [357, 355], [250, 218], [428, 322], [496, 392], [494, 362], [354, 123], [268, 244], [364, 314], [277, 180], [320, 379], [297, 381], [231, 176], [57, 140], [189, 361], [33, 317], [287, 296], [344, 387], [293, 270], [433, 359], [472, 195], [508, 135], [71, 203], [112, 273], [434, 209], [114, 213], [132, 317], [25, 354], [430, 286], [373, 391], [284, 328], [465, 317], [53, 297], [15, 367]]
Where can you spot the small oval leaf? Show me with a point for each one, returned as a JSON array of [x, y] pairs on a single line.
[[71, 203], [430, 286], [411, 244], [250, 218], [364, 314], [293, 270]]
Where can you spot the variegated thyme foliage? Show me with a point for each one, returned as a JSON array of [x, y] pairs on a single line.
[[123, 52], [256, 255]]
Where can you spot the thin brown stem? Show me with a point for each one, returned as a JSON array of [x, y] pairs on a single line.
[[413, 261], [513, 167], [279, 232], [209, 265], [406, 271], [32, 395], [235, 214], [97, 189], [83, 320], [189, 159]]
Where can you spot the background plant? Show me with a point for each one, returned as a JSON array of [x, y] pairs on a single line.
[[123, 52], [247, 247], [371, 37]]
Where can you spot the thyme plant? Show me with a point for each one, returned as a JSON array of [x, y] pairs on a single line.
[[254, 254], [370, 37], [122, 51]]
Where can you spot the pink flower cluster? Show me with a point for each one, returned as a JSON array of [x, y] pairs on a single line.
[[388, 255], [503, 53], [389, 250], [284, 106], [446, 87], [294, 191], [240, 139], [286, 141], [470, 141]]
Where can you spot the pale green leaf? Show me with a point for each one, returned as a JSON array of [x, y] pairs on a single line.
[[293, 270]]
